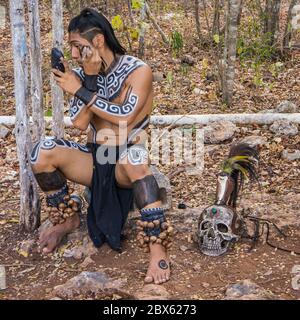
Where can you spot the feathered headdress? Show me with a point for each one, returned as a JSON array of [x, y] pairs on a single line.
[[240, 166]]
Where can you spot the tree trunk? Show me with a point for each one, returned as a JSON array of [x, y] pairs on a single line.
[[216, 21], [206, 16], [29, 198], [130, 11], [288, 28], [229, 59], [240, 13], [155, 24], [198, 26], [142, 30], [272, 19], [36, 71], [56, 92]]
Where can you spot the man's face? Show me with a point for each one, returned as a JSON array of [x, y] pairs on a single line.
[[77, 43]]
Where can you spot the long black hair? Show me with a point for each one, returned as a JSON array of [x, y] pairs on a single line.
[[89, 23]]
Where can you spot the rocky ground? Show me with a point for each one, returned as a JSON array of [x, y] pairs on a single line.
[[76, 270], [262, 272]]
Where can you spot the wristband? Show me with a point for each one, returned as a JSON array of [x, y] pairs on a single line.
[[90, 82], [84, 95]]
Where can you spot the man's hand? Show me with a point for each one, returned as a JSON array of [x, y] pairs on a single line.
[[68, 80], [91, 60]]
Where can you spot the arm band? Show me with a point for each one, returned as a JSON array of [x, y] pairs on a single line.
[[84, 95], [90, 82]]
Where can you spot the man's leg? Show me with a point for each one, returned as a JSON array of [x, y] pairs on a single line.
[[133, 171], [53, 162]]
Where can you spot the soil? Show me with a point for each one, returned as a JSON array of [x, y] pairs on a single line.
[[194, 275]]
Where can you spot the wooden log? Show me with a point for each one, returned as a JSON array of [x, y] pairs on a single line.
[[191, 119], [29, 198]]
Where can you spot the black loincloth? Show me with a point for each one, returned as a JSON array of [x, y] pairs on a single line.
[[110, 204]]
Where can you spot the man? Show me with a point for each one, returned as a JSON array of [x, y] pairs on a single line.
[[112, 94]]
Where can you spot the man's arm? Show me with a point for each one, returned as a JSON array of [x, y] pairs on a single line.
[[139, 88], [79, 113]]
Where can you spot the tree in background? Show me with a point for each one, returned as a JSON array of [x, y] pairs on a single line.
[[227, 64]]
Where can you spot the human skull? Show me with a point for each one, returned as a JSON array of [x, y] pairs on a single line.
[[215, 230]]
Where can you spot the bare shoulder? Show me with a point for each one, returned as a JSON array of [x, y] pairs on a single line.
[[142, 74]]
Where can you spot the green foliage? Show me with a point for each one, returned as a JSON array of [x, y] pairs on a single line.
[[134, 33], [216, 38], [117, 23], [136, 4], [255, 51], [253, 43], [176, 41], [276, 68], [185, 68], [169, 78], [48, 113], [204, 69]]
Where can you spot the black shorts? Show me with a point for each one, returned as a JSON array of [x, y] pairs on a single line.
[[110, 204]]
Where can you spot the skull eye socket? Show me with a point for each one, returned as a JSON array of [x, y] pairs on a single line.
[[222, 227], [205, 225]]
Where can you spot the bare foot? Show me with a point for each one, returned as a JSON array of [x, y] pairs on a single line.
[[51, 238], [159, 266]]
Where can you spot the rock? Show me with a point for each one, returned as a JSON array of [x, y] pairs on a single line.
[[254, 141], [164, 186], [183, 248], [27, 247], [291, 156], [90, 283], [284, 127], [197, 91], [210, 149], [286, 107], [205, 285], [153, 292], [247, 290], [87, 261], [4, 132], [188, 59], [79, 252], [158, 76], [219, 131], [210, 77], [90, 249], [176, 61], [195, 50], [76, 253], [186, 82]]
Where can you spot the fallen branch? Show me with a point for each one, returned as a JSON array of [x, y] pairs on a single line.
[[203, 119]]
